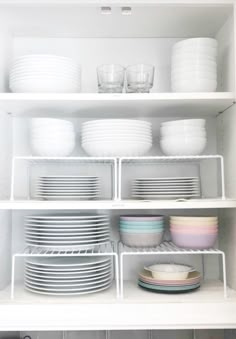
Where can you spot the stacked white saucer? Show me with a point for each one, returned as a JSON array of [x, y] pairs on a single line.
[[52, 137], [194, 65], [116, 137], [45, 73]]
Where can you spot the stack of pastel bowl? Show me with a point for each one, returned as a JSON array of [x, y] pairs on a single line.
[[141, 230], [169, 278], [194, 232]]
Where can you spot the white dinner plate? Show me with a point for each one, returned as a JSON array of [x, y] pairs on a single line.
[[66, 233], [97, 289], [68, 261], [76, 278], [66, 284], [73, 272], [92, 272]]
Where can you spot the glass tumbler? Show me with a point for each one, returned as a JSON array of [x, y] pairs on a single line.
[[110, 78], [139, 78]]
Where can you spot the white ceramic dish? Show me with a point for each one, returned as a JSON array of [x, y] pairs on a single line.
[[169, 271]]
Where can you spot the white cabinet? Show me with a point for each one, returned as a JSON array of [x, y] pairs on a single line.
[[79, 29]]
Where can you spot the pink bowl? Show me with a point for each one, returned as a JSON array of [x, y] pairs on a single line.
[[200, 227], [194, 230], [194, 241]]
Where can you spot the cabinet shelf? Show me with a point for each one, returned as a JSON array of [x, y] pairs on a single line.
[[118, 205], [116, 105]]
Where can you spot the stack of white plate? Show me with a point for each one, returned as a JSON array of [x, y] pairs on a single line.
[[166, 188], [183, 137], [194, 65], [66, 231], [52, 137], [72, 187], [116, 137], [68, 275], [45, 73]]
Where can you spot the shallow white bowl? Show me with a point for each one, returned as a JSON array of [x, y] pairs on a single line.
[[117, 149], [177, 146], [169, 271]]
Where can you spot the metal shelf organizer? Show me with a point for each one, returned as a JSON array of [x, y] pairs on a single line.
[[215, 177], [25, 171], [108, 249], [166, 248]]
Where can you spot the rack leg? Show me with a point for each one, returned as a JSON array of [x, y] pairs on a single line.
[[224, 275], [117, 276], [121, 276], [150, 334], [13, 277], [203, 266]]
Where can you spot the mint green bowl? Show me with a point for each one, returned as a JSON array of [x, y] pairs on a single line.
[[141, 231], [141, 223]]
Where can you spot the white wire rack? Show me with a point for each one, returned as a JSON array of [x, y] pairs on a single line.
[[155, 160], [167, 248], [108, 249], [21, 178]]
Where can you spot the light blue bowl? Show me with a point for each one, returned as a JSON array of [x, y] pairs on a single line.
[[140, 231], [144, 228], [141, 223]]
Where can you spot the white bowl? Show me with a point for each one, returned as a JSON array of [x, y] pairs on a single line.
[[169, 271], [176, 76], [193, 42], [194, 85], [203, 51], [116, 149], [117, 138], [185, 123], [43, 87], [169, 129], [188, 67], [177, 146], [183, 134], [50, 123], [115, 122]]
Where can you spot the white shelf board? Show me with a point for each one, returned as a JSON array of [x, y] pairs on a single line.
[[117, 205], [205, 308], [116, 105]]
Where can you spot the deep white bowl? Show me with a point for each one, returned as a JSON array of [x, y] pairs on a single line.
[[175, 146], [183, 134], [52, 149], [181, 129], [185, 123]]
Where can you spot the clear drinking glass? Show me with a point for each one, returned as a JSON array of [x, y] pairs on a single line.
[[139, 78], [110, 78]]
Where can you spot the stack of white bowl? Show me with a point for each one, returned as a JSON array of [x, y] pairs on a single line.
[[45, 73], [116, 137], [52, 137], [183, 137], [194, 65]]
